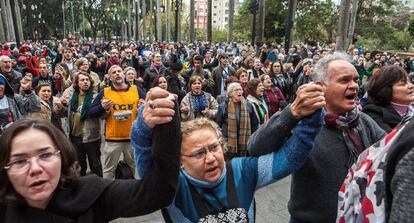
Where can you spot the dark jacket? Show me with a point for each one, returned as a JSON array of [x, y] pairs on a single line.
[[101, 200], [386, 117], [13, 78], [222, 117], [150, 74], [315, 186], [399, 178], [218, 76], [49, 80], [174, 85], [19, 106]]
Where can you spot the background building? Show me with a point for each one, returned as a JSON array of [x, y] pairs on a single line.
[[220, 12]]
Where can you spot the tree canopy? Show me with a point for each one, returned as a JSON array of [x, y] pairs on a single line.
[[382, 24]]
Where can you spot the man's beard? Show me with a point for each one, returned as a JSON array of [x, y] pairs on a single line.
[[7, 70], [119, 80]]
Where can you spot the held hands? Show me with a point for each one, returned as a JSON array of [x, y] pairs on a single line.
[[159, 107], [309, 98]]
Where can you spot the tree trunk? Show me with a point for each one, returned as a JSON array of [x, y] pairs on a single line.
[[159, 25], [289, 24], [192, 17], [260, 23], [231, 17], [144, 20], [151, 16], [9, 22], [209, 20], [3, 21], [342, 25], [177, 4], [134, 23], [19, 20], [167, 22], [2, 37], [354, 10], [129, 20]]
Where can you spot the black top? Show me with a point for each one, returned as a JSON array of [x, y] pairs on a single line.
[[101, 200], [386, 117]]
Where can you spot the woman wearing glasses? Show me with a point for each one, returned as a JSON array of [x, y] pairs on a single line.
[[211, 190], [40, 178], [280, 78]]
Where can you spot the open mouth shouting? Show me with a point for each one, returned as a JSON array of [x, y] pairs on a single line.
[[38, 184], [212, 171], [351, 97]]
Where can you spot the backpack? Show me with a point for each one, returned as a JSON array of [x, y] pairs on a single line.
[[123, 171], [365, 195]]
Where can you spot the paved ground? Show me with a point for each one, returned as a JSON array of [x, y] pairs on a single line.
[[271, 206]]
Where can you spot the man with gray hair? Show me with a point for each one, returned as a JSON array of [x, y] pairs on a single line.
[[12, 76], [118, 105], [346, 133]]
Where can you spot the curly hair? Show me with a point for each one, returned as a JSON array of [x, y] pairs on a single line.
[[76, 80]]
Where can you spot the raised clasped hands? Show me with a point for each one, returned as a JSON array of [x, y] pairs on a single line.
[[309, 98], [159, 107]]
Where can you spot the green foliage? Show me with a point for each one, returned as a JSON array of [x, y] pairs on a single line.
[[316, 20], [374, 21], [411, 26], [381, 24], [401, 41], [219, 36], [243, 22], [367, 43], [44, 21], [275, 16]]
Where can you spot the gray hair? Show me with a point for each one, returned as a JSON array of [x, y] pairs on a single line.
[[4, 58], [130, 68], [80, 61], [320, 69], [112, 68]]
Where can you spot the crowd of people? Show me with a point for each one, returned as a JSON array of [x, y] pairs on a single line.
[[234, 117]]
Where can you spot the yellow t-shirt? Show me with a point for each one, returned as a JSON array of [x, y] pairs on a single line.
[[122, 114]]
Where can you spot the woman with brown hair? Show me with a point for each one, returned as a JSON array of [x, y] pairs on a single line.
[[390, 97], [198, 103], [256, 91], [41, 183], [279, 78], [50, 107], [160, 81], [273, 96], [61, 78]]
